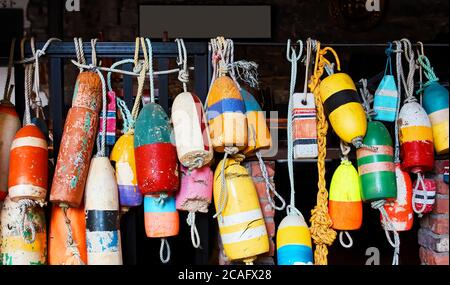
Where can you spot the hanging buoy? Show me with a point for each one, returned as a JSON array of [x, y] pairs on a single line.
[[195, 196], [64, 249], [304, 121], [192, 139], [102, 215], [345, 205], [294, 242], [123, 156], [416, 139], [9, 124], [343, 108], [400, 210], [424, 195], [110, 119], [435, 103], [226, 115], [242, 227], [77, 142], [156, 156], [26, 246], [161, 220], [28, 169], [257, 131], [376, 166]]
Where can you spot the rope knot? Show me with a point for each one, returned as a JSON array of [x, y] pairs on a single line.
[[183, 76]]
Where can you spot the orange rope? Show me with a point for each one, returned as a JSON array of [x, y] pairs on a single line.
[[321, 231]]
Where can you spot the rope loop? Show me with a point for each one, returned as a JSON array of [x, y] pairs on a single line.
[[183, 74], [349, 238], [367, 98], [420, 182], [164, 244], [195, 237], [71, 246], [269, 185], [26, 226]]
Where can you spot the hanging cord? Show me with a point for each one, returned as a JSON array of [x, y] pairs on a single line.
[[183, 74], [150, 70], [195, 237], [25, 224], [28, 87], [269, 186], [321, 231], [409, 84], [420, 52], [307, 60], [293, 58], [164, 244], [247, 71], [70, 244], [142, 67], [416, 191], [8, 87], [424, 63], [80, 53], [388, 227], [398, 62], [368, 109], [345, 150]]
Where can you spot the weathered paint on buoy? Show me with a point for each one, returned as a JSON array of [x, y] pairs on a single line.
[[376, 166], [9, 125], [77, 143], [294, 242], [435, 103], [18, 249], [102, 215], [345, 204], [226, 115], [196, 190], [110, 119], [304, 126], [125, 164], [400, 211], [257, 131], [242, 227], [156, 156], [58, 253], [160, 217], [191, 130], [343, 108], [424, 197], [416, 139], [28, 168]]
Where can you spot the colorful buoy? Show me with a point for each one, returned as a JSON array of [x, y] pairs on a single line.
[[156, 156], [242, 227], [9, 124], [294, 242], [196, 190], [424, 195], [343, 108], [304, 126], [23, 246], [28, 169], [191, 131], [400, 210], [226, 115], [161, 217], [376, 164], [102, 215], [123, 156], [77, 142]]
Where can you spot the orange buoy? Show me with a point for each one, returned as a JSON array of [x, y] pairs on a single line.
[[28, 169], [77, 142], [9, 124], [62, 251]]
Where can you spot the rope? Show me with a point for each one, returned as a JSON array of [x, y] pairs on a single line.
[[25, 224], [399, 69], [142, 67], [429, 71], [292, 57], [28, 87], [164, 243], [128, 121], [307, 64], [269, 186], [78, 42], [150, 68], [6, 94], [70, 244], [367, 99], [195, 237], [37, 53], [321, 231], [349, 237], [388, 227], [197, 162], [183, 74], [420, 182], [409, 84], [223, 195]]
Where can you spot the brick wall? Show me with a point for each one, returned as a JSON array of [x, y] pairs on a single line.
[[433, 232]]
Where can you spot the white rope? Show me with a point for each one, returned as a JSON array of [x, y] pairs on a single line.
[[269, 186], [183, 74], [349, 237], [367, 99], [409, 85], [292, 56], [388, 227], [78, 42], [420, 182], [38, 53], [150, 69], [195, 237], [164, 244], [400, 75], [307, 64], [28, 87]]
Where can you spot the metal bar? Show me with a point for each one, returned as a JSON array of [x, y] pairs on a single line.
[[335, 44], [163, 84], [57, 101]]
